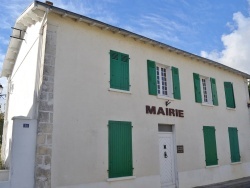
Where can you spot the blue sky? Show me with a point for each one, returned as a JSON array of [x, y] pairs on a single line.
[[215, 29]]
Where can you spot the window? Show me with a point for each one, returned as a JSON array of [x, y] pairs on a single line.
[[234, 144], [163, 80], [119, 71], [120, 149], [210, 145], [229, 93], [205, 90]]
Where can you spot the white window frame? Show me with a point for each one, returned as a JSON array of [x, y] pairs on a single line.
[[206, 90], [169, 82]]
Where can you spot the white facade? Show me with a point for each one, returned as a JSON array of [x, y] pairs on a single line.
[[84, 103]]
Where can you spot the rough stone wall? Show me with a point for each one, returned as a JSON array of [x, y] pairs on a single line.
[[45, 115]]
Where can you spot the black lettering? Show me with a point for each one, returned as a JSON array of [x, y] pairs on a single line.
[[171, 112], [160, 111], [181, 113], [166, 111], [176, 112], [150, 110]]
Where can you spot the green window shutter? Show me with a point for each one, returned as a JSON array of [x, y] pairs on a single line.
[[210, 145], [152, 87], [234, 144], [176, 83], [214, 91], [119, 71], [229, 93], [120, 149], [197, 88]]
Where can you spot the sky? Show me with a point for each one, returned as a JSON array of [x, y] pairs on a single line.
[[215, 29]]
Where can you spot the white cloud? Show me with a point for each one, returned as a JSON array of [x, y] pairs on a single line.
[[236, 52]]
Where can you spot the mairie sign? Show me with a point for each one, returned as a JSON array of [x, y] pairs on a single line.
[[164, 111]]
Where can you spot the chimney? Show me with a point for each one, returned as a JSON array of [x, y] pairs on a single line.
[[49, 3]]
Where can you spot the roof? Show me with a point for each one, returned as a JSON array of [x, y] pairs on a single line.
[[36, 11]]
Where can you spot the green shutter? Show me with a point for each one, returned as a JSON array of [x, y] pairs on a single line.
[[229, 93], [176, 83], [152, 87], [210, 145], [214, 91], [120, 149], [119, 71], [234, 144], [197, 88]]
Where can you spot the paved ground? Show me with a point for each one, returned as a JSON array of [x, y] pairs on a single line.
[[239, 183]]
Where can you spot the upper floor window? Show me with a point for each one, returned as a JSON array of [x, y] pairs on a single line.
[[205, 90], [163, 80], [119, 71]]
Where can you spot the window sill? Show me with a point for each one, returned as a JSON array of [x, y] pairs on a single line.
[[119, 91], [121, 178], [165, 97], [231, 109], [206, 104], [235, 163], [212, 166]]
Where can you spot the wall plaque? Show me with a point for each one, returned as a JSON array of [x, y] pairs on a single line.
[[180, 149], [25, 125]]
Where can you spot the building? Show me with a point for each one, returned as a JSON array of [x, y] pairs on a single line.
[[111, 108]]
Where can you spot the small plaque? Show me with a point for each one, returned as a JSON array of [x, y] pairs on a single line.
[[25, 125], [180, 149]]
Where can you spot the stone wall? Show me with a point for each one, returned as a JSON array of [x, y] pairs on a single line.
[[45, 115]]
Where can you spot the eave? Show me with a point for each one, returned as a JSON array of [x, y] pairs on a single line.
[[29, 17]]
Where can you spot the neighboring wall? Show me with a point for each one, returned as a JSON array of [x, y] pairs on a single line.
[[83, 105], [22, 84]]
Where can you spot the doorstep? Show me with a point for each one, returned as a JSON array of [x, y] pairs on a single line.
[[238, 183]]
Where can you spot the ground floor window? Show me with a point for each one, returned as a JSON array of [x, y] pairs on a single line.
[[120, 149], [210, 145], [234, 144]]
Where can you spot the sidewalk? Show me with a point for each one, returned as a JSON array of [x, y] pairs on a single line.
[[238, 183]]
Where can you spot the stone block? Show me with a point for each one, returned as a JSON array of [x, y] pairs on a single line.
[[48, 78], [51, 96], [48, 70], [43, 96], [44, 150], [47, 160], [49, 139], [40, 184], [39, 160], [47, 86], [51, 117], [49, 60], [43, 117], [41, 139], [44, 128], [46, 106], [43, 173]]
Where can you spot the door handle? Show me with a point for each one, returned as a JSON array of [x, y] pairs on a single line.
[[165, 155]]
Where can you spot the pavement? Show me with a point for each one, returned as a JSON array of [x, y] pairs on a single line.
[[238, 183]]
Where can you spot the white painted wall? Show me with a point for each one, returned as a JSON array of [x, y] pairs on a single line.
[[83, 105], [22, 94]]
